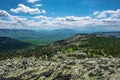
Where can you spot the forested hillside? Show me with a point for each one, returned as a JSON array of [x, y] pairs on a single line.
[[8, 44], [93, 45]]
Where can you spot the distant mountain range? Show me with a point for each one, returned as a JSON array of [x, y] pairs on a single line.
[[116, 34], [38, 37], [45, 36], [101, 41]]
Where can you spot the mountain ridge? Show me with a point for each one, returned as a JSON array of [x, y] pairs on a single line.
[[7, 44]]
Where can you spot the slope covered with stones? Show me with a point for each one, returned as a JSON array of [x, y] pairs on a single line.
[[71, 59], [68, 68]]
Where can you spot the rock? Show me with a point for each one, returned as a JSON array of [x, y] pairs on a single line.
[[115, 76], [118, 61], [10, 78], [9, 64], [45, 73], [71, 62], [77, 71], [103, 61], [112, 71], [42, 78], [91, 74], [24, 64], [69, 69], [6, 71], [105, 67], [112, 65], [117, 66], [66, 67]]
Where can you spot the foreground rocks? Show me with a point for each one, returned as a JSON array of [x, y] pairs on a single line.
[[60, 69]]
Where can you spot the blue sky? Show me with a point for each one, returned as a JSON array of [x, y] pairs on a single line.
[[59, 14]]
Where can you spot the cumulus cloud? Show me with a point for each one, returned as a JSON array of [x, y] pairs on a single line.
[[42, 18], [10, 24], [11, 21], [43, 11], [38, 5], [104, 18], [108, 18], [4, 14], [32, 1], [73, 21], [73, 18], [25, 9], [107, 14], [99, 14]]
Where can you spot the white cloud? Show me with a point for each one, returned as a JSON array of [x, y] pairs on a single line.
[[42, 18], [38, 5], [43, 11], [11, 24], [107, 14], [4, 14], [108, 18], [25, 9], [72, 21], [32, 1], [73, 18], [100, 14], [98, 19]]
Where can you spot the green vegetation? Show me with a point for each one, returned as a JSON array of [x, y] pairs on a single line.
[[93, 46], [83, 56], [8, 44], [41, 37], [103, 46], [97, 46], [27, 52]]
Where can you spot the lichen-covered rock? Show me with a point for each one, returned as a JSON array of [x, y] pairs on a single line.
[[68, 68]]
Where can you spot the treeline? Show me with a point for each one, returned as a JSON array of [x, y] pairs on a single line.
[[97, 47], [39, 51], [93, 47], [104, 46]]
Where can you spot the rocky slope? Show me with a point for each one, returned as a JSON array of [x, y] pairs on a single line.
[[70, 61], [61, 67]]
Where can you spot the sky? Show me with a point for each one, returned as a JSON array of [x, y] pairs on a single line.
[[60, 14]]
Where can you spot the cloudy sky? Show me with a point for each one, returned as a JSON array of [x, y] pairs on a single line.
[[60, 14]]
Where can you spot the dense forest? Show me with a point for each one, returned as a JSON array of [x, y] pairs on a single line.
[[97, 47]]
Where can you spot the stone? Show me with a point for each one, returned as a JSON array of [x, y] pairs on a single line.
[[104, 62], [24, 64], [71, 62], [91, 74], [105, 67]]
